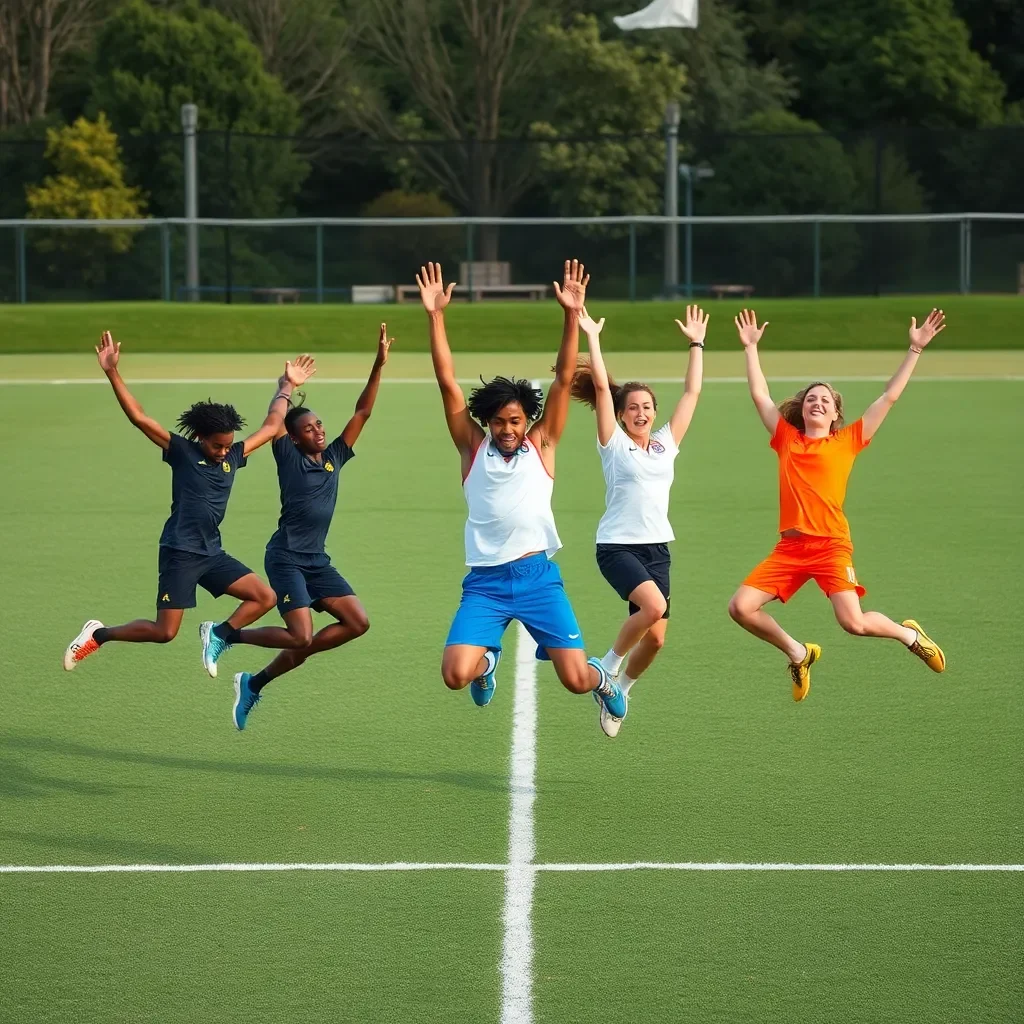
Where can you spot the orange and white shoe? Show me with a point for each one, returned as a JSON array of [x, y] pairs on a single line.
[[926, 648], [82, 646]]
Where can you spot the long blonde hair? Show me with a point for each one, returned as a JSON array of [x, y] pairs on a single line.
[[792, 409]]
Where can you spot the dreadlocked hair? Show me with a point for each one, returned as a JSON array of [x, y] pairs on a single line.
[[486, 400], [205, 418], [792, 409], [583, 389], [298, 409]]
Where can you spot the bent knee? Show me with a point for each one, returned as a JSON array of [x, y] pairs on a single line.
[[453, 679], [165, 636], [579, 681], [360, 627], [737, 611], [655, 611], [656, 641], [855, 627], [300, 638]]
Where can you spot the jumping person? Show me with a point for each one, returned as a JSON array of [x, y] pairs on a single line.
[[816, 454], [297, 565], [507, 445], [203, 461], [639, 467]]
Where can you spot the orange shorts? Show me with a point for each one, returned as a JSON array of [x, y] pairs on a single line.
[[796, 560]]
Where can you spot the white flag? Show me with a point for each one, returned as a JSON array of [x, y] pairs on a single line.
[[661, 14]]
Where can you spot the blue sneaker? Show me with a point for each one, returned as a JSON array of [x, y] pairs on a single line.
[[612, 699], [245, 700], [482, 688], [213, 647]]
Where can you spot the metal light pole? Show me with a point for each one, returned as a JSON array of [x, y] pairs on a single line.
[[189, 121], [671, 198], [689, 172]]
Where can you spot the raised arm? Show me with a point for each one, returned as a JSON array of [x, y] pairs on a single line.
[[570, 295], [364, 403], [694, 329], [466, 433], [108, 352], [750, 335], [606, 425], [919, 338], [295, 374]]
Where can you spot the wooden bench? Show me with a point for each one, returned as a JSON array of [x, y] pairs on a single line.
[[721, 290], [479, 293], [276, 295]]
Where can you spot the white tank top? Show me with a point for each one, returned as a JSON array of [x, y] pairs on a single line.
[[637, 488], [509, 506]]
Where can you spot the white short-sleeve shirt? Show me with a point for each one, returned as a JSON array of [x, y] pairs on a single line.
[[637, 484]]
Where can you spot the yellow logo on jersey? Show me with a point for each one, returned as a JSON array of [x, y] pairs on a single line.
[[286, 600], [329, 467], [166, 597], [226, 467], [202, 462]]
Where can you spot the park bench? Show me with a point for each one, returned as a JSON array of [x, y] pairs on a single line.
[[721, 290], [484, 279], [276, 295]]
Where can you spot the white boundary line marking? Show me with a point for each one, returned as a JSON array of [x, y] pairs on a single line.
[[843, 379], [511, 869], [520, 875]]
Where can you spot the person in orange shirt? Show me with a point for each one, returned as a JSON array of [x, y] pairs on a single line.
[[816, 454]]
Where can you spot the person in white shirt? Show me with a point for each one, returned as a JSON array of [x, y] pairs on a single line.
[[506, 435], [639, 467]]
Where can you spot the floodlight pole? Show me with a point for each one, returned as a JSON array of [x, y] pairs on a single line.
[[671, 199], [189, 121]]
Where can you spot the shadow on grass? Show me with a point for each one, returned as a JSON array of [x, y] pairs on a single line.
[[119, 851]]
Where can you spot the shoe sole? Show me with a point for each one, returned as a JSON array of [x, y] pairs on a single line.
[[205, 628], [922, 635], [87, 630], [238, 700]]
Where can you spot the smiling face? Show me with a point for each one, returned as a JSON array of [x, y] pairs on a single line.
[[216, 446], [308, 434], [636, 413], [508, 428], [819, 409]]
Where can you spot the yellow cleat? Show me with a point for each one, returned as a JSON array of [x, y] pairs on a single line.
[[802, 673], [926, 648]]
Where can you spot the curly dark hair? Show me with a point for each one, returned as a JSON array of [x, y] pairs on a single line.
[[205, 418], [583, 389], [485, 401]]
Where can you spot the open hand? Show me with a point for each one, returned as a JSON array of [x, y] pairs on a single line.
[[573, 289], [696, 325], [590, 327], [300, 371], [383, 344], [108, 352], [746, 324], [934, 322], [433, 293]]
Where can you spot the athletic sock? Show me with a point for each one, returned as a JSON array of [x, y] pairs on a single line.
[[917, 636], [625, 683], [100, 635], [612, 662], [259, 680], [226, 632], [491, 659]]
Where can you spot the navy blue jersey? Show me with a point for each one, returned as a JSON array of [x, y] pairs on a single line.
[[309, 492], [200, 489]]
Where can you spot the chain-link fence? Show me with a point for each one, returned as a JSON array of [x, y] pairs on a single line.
[[370, 260]]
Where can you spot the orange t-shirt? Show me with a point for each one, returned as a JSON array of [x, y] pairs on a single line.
[[813, 472]]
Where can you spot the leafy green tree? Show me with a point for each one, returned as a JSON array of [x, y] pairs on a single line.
[[151, 61], [89, 184]]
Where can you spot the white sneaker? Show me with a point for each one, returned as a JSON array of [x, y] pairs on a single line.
[[609, 723], [82, 646]]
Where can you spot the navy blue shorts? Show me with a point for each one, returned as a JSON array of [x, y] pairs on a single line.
[[182, 571], [530, 590], [626, 566], [302, 580]]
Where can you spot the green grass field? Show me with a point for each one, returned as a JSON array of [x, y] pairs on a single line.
[[364, 757], [980, 322]]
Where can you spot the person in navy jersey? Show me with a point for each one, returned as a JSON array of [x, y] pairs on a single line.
[[204, 461], [506, 436], [638, 464], [298, 567]]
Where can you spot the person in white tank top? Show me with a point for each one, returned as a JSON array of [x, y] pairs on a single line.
[[639, 467], [506, 436]]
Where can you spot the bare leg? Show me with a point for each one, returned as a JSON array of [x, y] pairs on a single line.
[[257, 599], [296, 634], [144, 631], [461, 664], [745, 609], [572, 669], [647, 650], [651, 606], [854, 620]]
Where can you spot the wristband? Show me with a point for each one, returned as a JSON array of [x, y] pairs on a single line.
[[914, 348], [696, 344]]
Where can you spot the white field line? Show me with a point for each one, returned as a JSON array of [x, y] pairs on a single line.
[[520, 876], [511, 869], [874, 378]]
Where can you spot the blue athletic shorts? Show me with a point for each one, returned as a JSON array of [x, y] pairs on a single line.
[[530, 590], [300, 581]]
